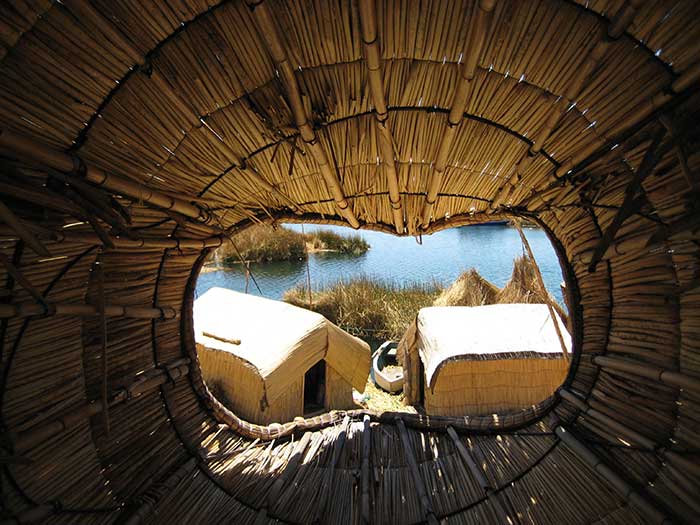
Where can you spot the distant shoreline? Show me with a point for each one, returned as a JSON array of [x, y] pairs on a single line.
[[215, 267], [444, 257]]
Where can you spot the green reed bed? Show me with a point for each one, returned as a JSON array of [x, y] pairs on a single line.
[[375, 309], [265, 244], [367, 307], [327, 240]]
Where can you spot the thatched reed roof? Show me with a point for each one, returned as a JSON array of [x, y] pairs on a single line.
[[470, 289], [280, 340], [158, 127]]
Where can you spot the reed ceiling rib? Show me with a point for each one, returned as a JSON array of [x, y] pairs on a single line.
[[269, 32], [372, 55]]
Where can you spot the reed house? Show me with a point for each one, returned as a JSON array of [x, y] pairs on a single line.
[[135, 137], [483, 359], [271, 362]]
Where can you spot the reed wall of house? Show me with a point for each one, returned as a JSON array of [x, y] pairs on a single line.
[[412, 370], [492, 386], [153, 132], [244, 390], [241, 389]]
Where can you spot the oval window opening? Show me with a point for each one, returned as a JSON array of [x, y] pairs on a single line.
[[303, 319]]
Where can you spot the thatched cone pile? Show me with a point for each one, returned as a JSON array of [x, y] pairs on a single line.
[[470, 289], [522, 286]]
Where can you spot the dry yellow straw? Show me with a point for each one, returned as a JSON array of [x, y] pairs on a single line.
[[542, 286]]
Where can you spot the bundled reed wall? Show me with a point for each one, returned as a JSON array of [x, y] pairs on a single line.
[[148, 133], [492, 386]]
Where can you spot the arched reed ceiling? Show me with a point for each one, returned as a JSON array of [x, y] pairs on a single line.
[[234, 105]]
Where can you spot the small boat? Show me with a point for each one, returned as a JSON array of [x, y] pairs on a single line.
[[388, 375]]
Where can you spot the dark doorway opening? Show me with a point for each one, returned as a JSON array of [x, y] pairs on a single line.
[[315, 388]]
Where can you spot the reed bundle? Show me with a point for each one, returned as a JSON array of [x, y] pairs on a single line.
[[138, 137]]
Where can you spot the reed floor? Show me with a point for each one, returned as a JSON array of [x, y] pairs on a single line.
[[317, 477]]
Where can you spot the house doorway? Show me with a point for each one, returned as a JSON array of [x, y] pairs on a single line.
[[315, 388]]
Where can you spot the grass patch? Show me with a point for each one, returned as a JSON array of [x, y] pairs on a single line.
[[327, 240], [367, 307], [381, 401], [375, 309], [263, 244]]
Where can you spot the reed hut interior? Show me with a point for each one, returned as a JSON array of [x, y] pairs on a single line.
[[271, 361], [137, 135], [483, 359]]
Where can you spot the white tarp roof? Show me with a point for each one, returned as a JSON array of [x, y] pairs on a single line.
[[274, 333], [498, 331]]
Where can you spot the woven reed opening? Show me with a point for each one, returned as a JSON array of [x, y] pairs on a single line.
[[570, 323]]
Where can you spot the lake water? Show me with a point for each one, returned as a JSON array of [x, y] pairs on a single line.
[[441, 258]]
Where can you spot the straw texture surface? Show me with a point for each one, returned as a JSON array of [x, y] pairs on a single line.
[[136, 136]]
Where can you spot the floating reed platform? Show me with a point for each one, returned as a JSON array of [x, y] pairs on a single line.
[[135, 138]]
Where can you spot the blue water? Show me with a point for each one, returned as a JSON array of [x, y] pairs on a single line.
[[441, 258]]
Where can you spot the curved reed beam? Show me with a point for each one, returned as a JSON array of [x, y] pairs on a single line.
[[616, 28], [270, 34], [84, 310], [32, 151], [372, 54], [472, 50]]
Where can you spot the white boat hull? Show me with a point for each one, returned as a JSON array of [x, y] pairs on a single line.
[[391, 381]]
